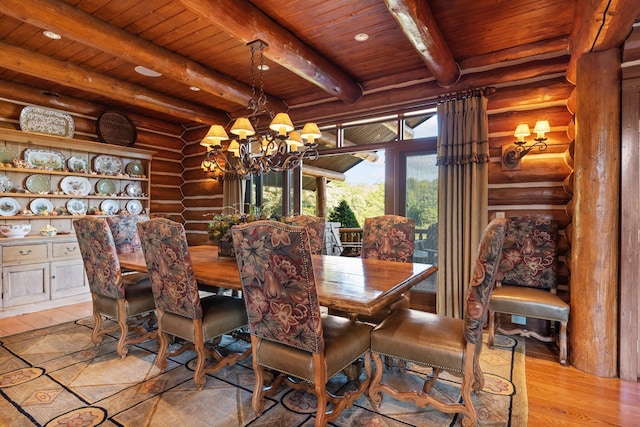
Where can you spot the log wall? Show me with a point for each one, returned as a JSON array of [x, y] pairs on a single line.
[[180, 190]]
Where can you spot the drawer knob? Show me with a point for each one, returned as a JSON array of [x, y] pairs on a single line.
[[70, 250], [23, 252]]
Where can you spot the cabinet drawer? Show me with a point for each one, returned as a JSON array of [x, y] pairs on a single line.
[[24, 253], [66, 250]]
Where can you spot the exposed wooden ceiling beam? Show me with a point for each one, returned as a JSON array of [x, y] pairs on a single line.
[[245, 22], [41, 66], [419, 25], [424, 95], [600, 25], [77, 25]]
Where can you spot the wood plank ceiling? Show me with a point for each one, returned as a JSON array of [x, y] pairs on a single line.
[[415, 51]]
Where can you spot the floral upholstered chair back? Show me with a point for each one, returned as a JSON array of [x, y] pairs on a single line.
[[125, 233], [99, 256], [388, 237], [483, 280], [529, 253], [278, 283], [315, 227], [166, 253]]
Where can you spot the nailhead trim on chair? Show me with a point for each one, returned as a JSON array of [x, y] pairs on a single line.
[[420, 363]]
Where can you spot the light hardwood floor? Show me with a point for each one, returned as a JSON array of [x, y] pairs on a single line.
[[558, 396]]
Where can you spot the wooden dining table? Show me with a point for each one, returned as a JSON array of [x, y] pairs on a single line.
[[351, 284]]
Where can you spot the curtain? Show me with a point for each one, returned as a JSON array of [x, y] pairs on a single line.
[[463, 157], [232, 196]]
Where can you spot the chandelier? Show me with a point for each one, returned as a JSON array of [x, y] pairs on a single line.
[[278, 148]]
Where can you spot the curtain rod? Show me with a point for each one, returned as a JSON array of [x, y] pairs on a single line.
[[463, 94]]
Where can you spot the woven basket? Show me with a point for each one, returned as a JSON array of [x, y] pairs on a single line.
[[116, 128]]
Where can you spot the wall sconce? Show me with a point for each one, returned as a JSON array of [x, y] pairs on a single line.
[[512, 154]]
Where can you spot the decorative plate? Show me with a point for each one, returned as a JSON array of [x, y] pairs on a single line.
[[134, 206], [9, 206], [134, 189], [44, 159], [75, 185], [47, 121], [38, 184], [135, 168], [106, 186], [109, 207], [77, 164], [108, 165], [5, 184], [39, 205], [76, 207], [6, 155]]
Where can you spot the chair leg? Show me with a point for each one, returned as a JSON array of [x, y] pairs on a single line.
[[321, 409], [198, 337], [163, 344], [124, 329], [563, 343], [96, 334], [375, 392], [492, 327]]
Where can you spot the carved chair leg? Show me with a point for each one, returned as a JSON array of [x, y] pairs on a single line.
[[431, 380], [163, 345], [124, 329], [492, 328], [96, 334], [375, 394], [257, 400], [563, 343]]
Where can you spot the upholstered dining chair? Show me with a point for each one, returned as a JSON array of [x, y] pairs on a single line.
[[390, 238], [125, 233], [315, 225], [443, 343], [126, 298], [527, 280], [181, 312], [288, 333]]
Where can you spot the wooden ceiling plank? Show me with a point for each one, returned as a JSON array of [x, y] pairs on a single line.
[[79, 26], [420, 27], [242, 20], [600, 25], [42, 66]]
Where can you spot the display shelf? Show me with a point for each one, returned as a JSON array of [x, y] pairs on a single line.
[[62, 149]]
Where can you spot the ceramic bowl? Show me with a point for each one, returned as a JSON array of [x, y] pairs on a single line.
[[48, 231], [15, 230]]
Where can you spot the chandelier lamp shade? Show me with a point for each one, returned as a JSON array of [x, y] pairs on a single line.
[[512, 154], [253, 150]]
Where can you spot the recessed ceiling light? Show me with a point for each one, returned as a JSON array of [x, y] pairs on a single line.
[[146, 71], [361, 37], [194, 88], [263, 67], [52, 35]]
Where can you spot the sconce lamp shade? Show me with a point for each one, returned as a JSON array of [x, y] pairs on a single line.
[[242, 127], [282, 124], [214, 137], [541, 127], [310, 132], [522, 130]]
